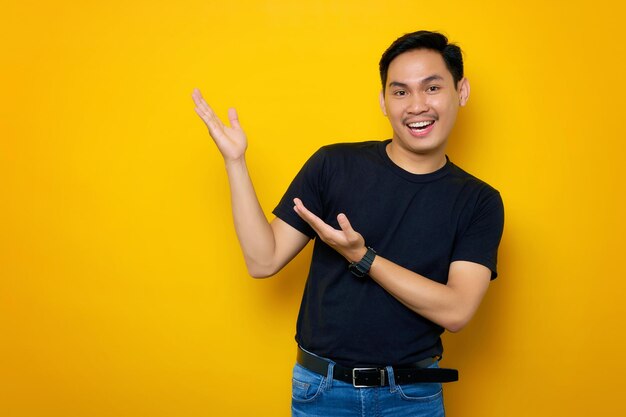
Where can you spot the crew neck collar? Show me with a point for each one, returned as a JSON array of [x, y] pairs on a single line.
[[431, 176]]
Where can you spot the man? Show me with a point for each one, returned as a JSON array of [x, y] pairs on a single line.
[[405, 242]]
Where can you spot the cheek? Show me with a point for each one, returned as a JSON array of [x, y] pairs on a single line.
[[397, 120], [449, 105], [451, 112], [395, 112]]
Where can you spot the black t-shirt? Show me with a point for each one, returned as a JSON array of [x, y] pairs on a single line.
[[422, 222]]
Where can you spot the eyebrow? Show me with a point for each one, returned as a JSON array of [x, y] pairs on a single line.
[[426, 80]]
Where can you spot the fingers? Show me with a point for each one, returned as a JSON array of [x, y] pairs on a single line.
[[324, 230], [208, 115], [201, 104], [203, 109], [320, 227], [306, 215], [215, 125]]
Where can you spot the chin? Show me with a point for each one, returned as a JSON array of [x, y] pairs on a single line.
[[422, 146]]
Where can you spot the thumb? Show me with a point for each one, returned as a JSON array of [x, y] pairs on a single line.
[[344, 223], [233, 118]]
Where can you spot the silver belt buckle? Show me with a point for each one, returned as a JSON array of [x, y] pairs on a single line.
[[382, 377]]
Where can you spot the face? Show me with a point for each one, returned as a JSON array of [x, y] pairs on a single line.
[[421, 104]]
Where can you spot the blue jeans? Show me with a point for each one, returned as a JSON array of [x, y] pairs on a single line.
[[314, 395]]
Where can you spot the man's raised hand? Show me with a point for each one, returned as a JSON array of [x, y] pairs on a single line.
[[231, 141]]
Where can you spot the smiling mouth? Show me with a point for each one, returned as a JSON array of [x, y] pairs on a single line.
[[420, 126]]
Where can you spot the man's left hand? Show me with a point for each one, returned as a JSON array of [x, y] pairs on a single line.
[[348, 242]]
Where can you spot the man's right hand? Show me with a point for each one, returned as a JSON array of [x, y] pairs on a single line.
[[266, 247], [231, 141]]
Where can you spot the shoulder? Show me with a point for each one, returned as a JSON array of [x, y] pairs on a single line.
[[477, 193], [471, 182], [343, 157]]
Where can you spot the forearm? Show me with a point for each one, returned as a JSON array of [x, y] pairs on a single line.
[[254, 232], [450, 306]]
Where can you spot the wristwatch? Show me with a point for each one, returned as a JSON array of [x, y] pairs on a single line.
[[361, 268]]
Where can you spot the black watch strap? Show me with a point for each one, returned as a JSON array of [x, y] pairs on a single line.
[[361, 268]]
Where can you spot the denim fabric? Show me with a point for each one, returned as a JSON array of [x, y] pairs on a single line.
[[314, 395]]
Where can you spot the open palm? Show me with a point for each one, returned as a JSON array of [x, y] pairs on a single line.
[[231, 141]]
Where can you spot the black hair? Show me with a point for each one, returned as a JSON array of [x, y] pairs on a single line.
[[423, 39]]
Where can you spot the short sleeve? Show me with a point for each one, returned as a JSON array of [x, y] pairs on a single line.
[[307, 186], [480, 240]]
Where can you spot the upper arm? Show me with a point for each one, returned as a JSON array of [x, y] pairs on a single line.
[[470, 281], [479, 239], [288, 243]]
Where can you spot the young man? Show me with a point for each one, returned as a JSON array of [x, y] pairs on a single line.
[[405, 242]]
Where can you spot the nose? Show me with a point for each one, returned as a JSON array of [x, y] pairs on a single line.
[[418, 104]]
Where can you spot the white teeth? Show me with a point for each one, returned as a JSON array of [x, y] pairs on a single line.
[[421, 124]]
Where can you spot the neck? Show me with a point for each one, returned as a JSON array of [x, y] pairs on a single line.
[[416, 163]]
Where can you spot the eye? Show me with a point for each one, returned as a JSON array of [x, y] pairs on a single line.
[[433, 89], [399, 93]]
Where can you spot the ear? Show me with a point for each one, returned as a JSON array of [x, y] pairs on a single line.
[[464, 91], [381, 98]]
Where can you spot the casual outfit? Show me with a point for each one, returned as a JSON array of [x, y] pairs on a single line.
[[422, 222]]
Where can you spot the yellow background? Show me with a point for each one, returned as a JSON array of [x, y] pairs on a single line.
[[123, 291]]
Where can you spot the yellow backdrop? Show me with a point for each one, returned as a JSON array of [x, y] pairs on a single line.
[[123, 292]]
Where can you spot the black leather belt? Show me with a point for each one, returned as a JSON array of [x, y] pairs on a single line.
[[378, 377]]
